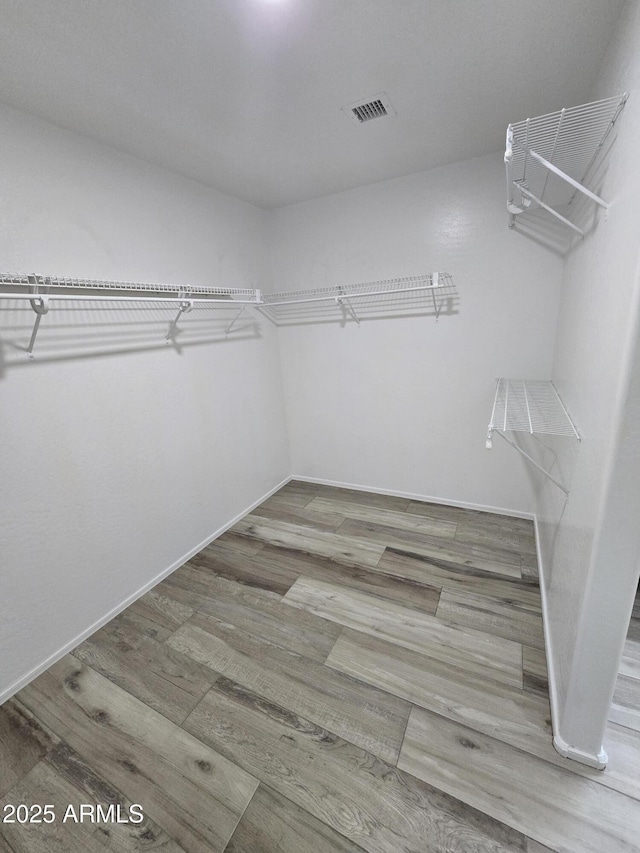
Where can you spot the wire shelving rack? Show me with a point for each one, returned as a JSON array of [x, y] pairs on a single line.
[[534, 407], [41, 290], [25, 286], [551, 157], [356, 301], [399, 296]]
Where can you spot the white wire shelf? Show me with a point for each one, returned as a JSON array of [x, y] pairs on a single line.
[[551, 157], [411, 294], [431, 292], [531, 406], [40, 290]]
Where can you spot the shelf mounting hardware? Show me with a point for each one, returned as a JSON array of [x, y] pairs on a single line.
[[530, 196], [435, 280], [40, 305], [533, 462], [341, 299], [233, 322], [185, 306]]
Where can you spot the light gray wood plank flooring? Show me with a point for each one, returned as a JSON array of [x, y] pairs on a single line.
[[63, 779], [477, 651], [551, 804], [191, 791], [448, 574], [23, 743], [625, 708], [471, 699], [480, 556], [498, 616], [272, 822], [341, 671], [361, 797], [366, 716]]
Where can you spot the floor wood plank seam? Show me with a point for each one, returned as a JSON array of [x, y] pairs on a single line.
[[473, 766], [244, 811], [495, 658], [404, 733], [315, 715], [142, 701], [282, 826], [332, 778]]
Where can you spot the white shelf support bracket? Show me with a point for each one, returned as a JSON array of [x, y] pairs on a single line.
[[437, 307], [233, 322], [184, 308], [546, 447], [553, 212], [40, 305], [563, 175], [343, 300], [532, 461], [508, 161]]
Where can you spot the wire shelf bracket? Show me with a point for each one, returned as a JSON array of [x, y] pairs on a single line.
[[534, 407], [41, 306], [344, 300], [184, 308], [567, 144]]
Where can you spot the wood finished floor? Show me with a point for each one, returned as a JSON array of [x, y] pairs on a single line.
[[625, 709], [342, 671]]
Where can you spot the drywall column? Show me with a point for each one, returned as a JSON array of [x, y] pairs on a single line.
[[590, 546], [613, 577]]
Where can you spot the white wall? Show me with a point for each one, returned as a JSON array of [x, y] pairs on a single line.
[[403, 405], [591, 545], [119, 454]]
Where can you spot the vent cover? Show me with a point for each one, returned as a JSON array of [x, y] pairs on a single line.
[[365, 111]]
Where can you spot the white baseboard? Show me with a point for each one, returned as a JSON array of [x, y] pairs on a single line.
[[68, 647], [599, 760], [415, 497]]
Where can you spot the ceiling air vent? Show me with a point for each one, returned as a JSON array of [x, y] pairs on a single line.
[[364, 111]]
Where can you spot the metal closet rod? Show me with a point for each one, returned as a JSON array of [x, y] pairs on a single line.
[[90, 297], [38, 286], [89, 289]]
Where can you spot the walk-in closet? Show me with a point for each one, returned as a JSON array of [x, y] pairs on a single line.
[[319, 466]]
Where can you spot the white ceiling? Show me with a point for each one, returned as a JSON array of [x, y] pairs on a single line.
[[246, 95]]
